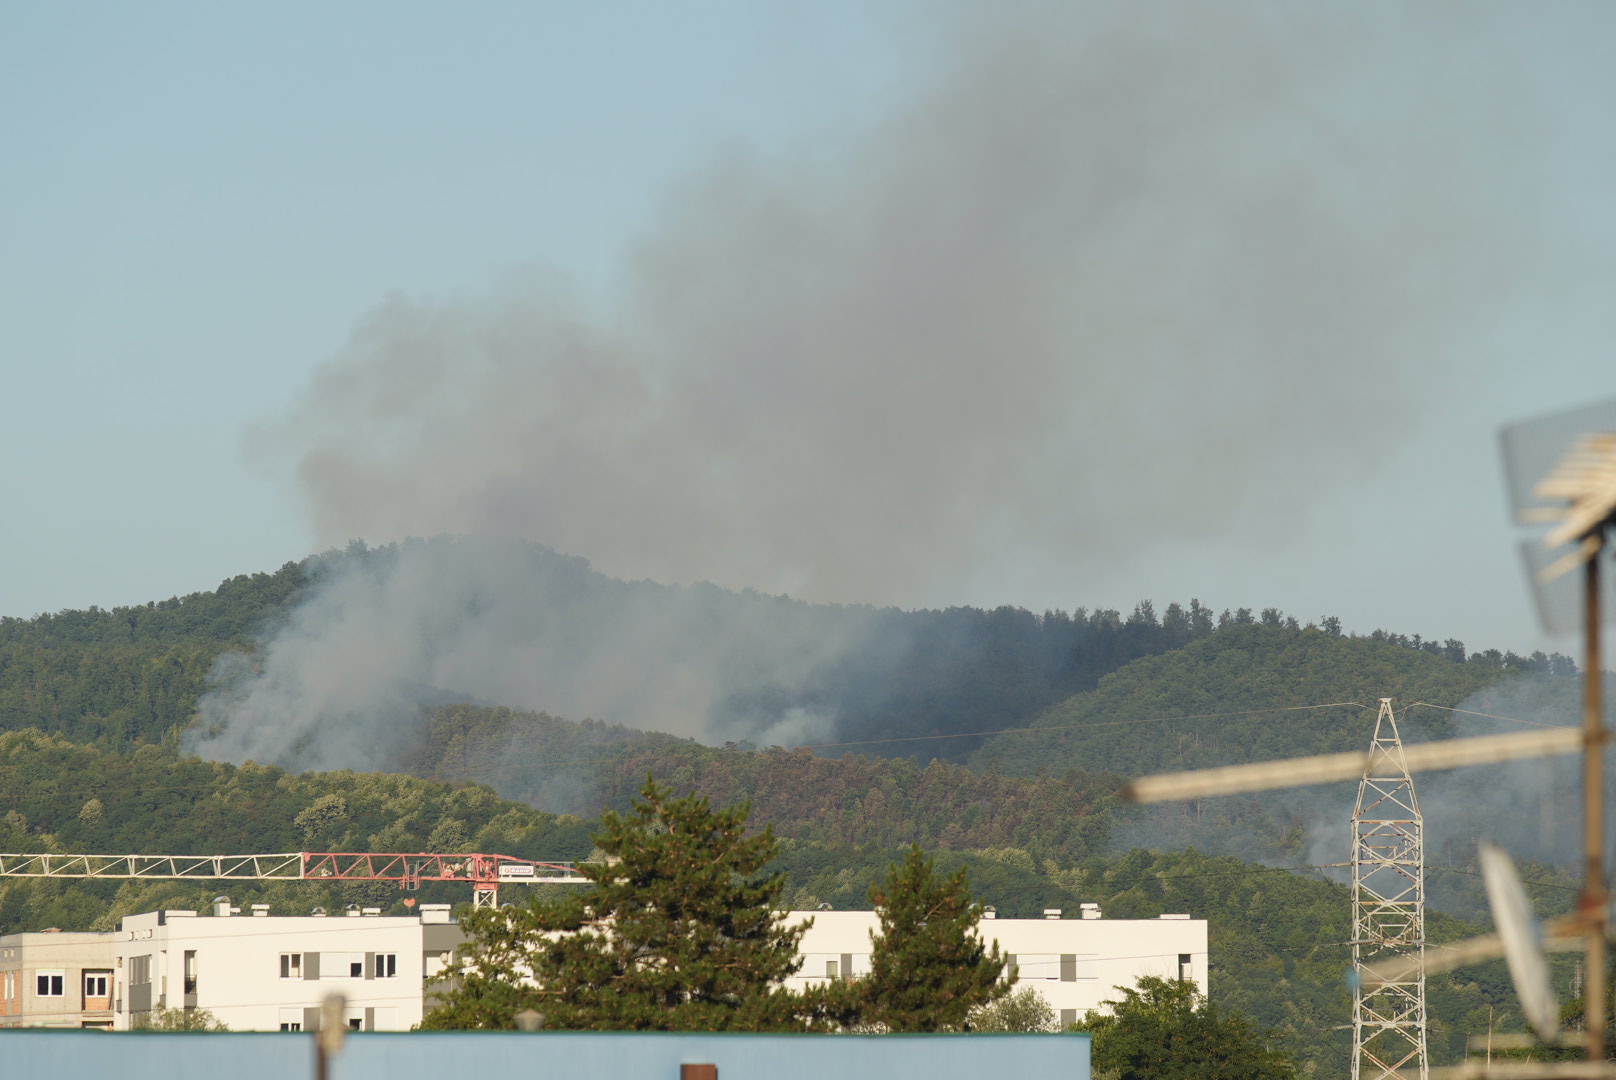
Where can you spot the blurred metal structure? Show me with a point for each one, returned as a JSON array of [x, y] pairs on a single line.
[[1562, 475], [1388, 913]]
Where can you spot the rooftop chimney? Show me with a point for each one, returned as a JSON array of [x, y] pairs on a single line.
[[222, 908], [435, 913], [1052, 913], [1089, 911]]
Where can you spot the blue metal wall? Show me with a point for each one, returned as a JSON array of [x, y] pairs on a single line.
[[563, 1054]]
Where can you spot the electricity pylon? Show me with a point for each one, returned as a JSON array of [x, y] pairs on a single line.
[[1388, 912]]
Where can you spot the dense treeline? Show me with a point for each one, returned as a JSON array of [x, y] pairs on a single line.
[[1215, 702], [852, 799], [131, 675]]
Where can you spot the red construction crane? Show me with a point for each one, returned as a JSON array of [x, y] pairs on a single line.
[[485, 873]]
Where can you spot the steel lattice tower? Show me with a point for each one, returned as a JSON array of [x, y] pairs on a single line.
[[1388, 912]]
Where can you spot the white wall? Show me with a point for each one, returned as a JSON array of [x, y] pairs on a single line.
[[1110, 953], [238, 966]]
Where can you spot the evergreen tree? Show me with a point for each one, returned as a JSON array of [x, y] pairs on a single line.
[[676, 934], [1164, 1030], [929, 969]]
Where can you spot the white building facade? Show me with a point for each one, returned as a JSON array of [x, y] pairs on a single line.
[[271, 973], [1073, 963]]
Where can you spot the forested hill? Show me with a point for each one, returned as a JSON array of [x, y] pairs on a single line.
[[902, 683], [132, 675], [1243, 694]]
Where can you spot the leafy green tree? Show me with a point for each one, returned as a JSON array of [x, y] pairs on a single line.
[[929, 969], [165, 1019], [1023, 1009], [1164, 1030], [677, 934]]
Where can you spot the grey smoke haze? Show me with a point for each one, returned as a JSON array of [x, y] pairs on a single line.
[[1106, 274], [1533, 808], [383, 637]]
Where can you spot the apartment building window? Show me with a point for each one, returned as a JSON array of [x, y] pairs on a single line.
[[291, 968], [1030, 966], [342, 965], [49, 983], [833, 969], [386, 965], [291, 1019], [1186, 971], [95, 984], [139, 970]]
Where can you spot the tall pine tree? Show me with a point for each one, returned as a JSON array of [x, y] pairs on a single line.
[[676, 934], [929, 968]]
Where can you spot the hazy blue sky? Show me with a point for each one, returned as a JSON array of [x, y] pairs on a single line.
[[200, 203]]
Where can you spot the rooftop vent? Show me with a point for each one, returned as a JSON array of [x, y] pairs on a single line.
[[372, 911], [435, 913], [353, 911], [1172, 916], [1052, 913], [260, 911], [222, 908], [990, 912], [1089, 911], [318, 913]]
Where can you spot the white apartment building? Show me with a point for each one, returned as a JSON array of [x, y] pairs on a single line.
[[270, 973], [1075, 964]]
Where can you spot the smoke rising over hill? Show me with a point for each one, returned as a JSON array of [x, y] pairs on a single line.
[[1104, 271]]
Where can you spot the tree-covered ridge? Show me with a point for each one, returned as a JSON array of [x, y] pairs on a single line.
[[847, 800], [1127, 723], [132, 675], [900, 683], [233, 613]]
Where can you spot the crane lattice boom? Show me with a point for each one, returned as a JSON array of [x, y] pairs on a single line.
[[484, 872]]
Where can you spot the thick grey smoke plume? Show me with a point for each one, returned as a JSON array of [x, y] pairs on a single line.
[[1109, 270], [1106, 274], [386, 635]]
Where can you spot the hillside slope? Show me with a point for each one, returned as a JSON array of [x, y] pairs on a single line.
[[1218, 701], [1278, 940]]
